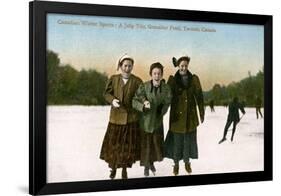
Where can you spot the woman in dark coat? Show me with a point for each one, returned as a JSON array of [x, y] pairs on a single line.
[[181, 140], [152, 99], [121, 144]]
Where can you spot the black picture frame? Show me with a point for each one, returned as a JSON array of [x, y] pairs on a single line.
[[38, 100]]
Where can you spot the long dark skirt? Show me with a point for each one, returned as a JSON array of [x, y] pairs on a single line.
[[181, 146], [121, 145], [152, 147]]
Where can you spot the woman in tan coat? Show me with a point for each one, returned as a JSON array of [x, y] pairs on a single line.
[[121, 144]]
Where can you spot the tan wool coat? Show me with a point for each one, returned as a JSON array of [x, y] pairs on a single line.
[[116, 89]]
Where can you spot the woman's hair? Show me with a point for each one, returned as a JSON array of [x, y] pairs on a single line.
[[183, 58], [156, 65]]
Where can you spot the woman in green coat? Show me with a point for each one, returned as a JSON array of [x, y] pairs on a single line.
[[181, 140], [152, 99]]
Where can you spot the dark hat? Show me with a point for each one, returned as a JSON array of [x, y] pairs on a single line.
[[176, 62]]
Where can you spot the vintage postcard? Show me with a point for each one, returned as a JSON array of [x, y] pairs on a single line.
[[142, 98]]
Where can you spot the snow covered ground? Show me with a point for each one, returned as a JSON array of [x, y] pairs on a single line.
[[75, 135]]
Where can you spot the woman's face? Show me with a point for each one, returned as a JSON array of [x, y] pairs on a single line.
[[156, 74], [127, 66], [183, 67]]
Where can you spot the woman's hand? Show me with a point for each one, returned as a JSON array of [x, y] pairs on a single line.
[[116, 103], [146, 105]]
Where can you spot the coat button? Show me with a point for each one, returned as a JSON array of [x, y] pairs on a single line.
[[186, 100], [180, 112]]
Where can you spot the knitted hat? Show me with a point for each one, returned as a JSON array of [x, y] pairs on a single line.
[[123, 58]]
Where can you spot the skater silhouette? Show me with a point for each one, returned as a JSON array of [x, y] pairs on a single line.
[[258, 107], [233, 117], [212, 105]]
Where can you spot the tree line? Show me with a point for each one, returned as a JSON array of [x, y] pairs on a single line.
[[67, 86], [247, 90]]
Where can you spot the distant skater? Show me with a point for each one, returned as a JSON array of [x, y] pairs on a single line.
[[212, 105], [233, 117], [258, 107]]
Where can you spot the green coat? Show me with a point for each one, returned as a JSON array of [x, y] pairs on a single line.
[[116, 89], [152, 119], [183, 113]]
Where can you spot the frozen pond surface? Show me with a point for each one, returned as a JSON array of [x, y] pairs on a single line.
[[75, 134]]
